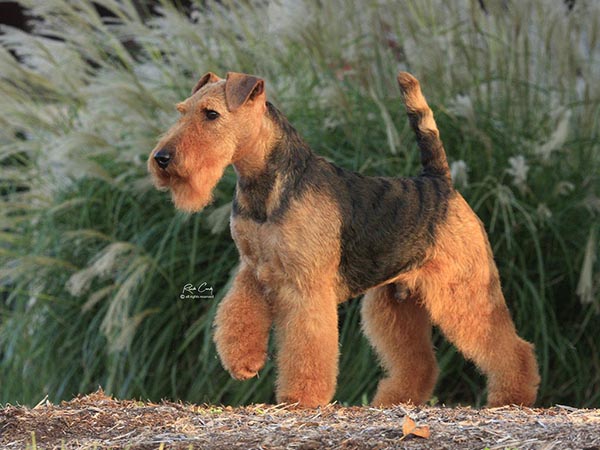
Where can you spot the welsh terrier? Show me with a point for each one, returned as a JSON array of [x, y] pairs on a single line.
[[311, 235]]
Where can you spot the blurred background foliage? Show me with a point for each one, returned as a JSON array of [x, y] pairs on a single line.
[[93, 259]]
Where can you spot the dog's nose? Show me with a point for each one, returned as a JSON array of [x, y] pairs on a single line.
[[162, 158]]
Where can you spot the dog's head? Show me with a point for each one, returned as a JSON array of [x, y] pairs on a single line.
[[220, 122]]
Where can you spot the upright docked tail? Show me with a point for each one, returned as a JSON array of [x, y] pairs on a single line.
[[433, 155]]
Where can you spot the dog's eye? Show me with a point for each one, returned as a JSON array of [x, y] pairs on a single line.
[[211, 114]]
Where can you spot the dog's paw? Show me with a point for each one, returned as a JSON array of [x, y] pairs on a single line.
[[247, 366]]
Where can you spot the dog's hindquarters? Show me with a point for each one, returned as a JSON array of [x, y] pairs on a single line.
[[459, 289], [433, 155]]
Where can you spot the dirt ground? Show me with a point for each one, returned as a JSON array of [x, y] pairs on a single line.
[[99, 421]]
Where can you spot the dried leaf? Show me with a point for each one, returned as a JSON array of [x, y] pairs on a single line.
[[410, 427]]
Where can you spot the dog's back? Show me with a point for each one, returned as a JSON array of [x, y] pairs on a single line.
[[389, 224]]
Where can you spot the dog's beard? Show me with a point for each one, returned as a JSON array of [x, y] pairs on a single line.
[[195, 192], [191, 187]]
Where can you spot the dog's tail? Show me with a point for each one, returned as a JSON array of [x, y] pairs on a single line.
[[433, 155]]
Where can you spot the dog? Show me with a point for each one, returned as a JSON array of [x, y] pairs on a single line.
[[311, 235]]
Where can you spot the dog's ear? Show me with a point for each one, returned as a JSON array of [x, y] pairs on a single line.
[[205, 79], [240, 88]]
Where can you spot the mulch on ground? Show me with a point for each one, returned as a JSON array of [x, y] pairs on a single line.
[[99, 421]]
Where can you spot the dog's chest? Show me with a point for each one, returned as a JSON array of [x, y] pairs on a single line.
[[291, 254], [262, 248]]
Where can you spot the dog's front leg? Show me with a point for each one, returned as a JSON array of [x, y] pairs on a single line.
[[306, 327], [242, 325]]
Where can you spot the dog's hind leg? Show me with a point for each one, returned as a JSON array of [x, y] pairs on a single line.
[[399, 329], [460, 287], [476, 320]]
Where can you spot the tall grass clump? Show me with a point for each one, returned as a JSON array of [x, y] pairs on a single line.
[[93, 260]]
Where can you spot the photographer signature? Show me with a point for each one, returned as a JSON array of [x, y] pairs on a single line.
[[203, 290]]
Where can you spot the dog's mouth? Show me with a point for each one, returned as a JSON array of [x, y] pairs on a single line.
[[187, 193]]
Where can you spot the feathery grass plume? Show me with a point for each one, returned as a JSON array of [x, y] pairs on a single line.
[[587, 290], [459, 171], [462, 106], [93, 260], [557, 138], [113, 258], [518, 169]]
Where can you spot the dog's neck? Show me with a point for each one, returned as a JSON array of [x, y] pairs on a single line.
[[268, 170], [251, 158]]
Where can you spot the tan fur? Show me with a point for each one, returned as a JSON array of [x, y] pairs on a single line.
[[244, 312], [289, 270]]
